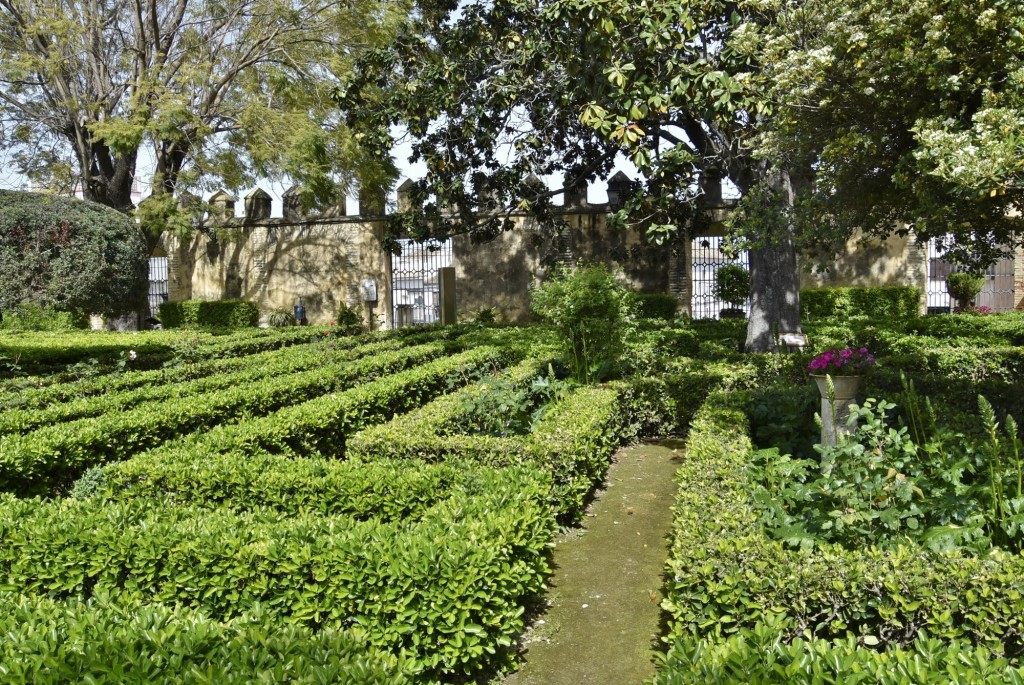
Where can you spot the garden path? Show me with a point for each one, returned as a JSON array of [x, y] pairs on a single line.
[[601, 624]]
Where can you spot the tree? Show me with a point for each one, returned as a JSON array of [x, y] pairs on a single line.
[[220, 92], [510, 89], [68, 254], [911, 113]]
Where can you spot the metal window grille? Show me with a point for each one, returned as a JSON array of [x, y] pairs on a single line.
[[997, 294], [708, 255], [414, 284], [158, 291]]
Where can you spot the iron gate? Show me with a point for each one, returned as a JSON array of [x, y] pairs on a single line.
[[158, 291], [708, 255], [997, 293], [415, 290]]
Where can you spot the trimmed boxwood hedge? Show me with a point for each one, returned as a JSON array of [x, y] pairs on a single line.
[[446, 593], [35, 462], [210, 314], [726, 574], [887, 302], [49, 642], [574, 440]]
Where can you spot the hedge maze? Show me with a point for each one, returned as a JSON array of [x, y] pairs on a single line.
[[162, 520]]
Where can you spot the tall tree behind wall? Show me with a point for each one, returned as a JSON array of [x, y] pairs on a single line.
[[512, 88], [221, 93]]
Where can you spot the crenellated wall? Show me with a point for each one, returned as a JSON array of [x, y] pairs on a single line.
[[320, 262]]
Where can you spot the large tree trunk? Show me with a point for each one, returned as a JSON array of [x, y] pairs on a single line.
[[774, 275]]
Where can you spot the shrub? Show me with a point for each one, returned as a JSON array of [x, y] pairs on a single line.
[[726, 574], [886, 302], [590, 311], [348, 320], [732, 284], [90, 641], [964, 287], [70, 255], [220, 314], [35, 317], [280, 318], [656, 306]]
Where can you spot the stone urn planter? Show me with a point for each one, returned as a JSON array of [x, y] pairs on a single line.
[[835, 410]]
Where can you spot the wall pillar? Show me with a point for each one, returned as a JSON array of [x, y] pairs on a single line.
[[917, 268], [679, 280], [1018, 278]]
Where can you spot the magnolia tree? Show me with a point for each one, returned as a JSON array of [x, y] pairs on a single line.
[[826, 115]]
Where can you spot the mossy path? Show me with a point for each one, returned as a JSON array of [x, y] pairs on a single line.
[[602, 620]]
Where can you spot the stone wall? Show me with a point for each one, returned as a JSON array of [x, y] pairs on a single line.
[[279, 263], [874, 262], [501, 272]]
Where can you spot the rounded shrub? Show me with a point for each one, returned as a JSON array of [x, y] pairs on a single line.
[[964, 287], [69, 255], [591, 312], [732, 284]]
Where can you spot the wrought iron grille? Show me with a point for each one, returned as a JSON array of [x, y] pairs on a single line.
[[708, 255], [414, 285], [997, 294], [158, 291]]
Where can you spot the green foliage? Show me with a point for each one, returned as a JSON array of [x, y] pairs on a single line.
[[964, 287], [55, 455], [573, 440], [215, 314], [732, 284], [34, 317], [69, 255], [655, 306], [87, 641], [349, 321], [933, 148], [726, 573], [280, 318], [759, 655], [783, 417], [895, 302], [591, 313], [445, 592], [502, 408]]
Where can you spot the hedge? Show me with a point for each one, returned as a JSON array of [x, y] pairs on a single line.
[[232, 373], [35, 462], [901, 302], [445, 592], [47, 642], [656, 305], [574, 440], [322, 426], [210, 314], [383, 491], [758, 656], [726, 573]]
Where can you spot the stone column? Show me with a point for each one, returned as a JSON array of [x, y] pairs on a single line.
[[679, 279], [1018, 279]]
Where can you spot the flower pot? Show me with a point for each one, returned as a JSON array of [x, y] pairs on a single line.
[[844, 387], [835, 411], [732, 313]]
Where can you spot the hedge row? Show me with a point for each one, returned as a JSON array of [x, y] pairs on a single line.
[[759, 656], [48, 642], [52, 354], [237, 372], [322, 426], [573, 441], [384, 491], [727, 574], [902, 302], [210, 314], [445, 592], [35, 462]]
